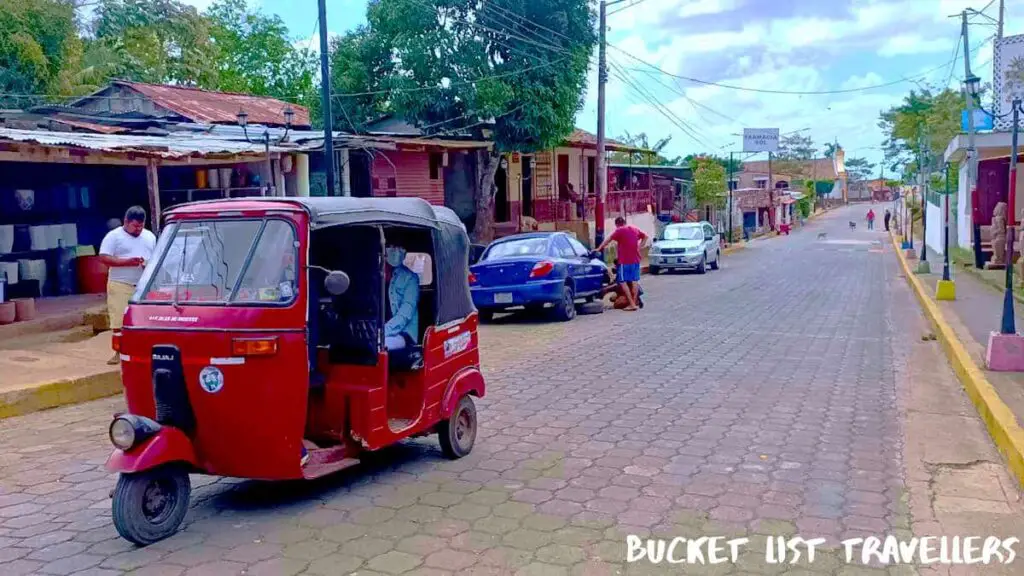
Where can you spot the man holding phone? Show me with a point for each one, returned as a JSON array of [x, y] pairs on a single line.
[[125, 250]]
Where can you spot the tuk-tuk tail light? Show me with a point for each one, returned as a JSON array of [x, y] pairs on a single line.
[[254, 346]]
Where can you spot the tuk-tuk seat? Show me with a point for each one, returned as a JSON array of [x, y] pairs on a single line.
[[406, 359]]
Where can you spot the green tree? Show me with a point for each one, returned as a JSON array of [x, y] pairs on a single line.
[[735, 164], [933, 116], [361, 65], [158, 41], [652, 155], [859, 169], [458, 64], [830, 149], [255, 54], [708, 181], [795, 147], [38, 43]]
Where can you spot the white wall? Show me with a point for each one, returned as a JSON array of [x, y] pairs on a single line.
[[934, 227]]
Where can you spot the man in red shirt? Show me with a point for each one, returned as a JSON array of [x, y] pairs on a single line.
[[628, 240]]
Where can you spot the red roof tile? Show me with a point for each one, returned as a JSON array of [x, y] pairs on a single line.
[[219, 107]]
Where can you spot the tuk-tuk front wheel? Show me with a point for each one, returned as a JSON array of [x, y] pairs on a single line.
[[458, 433], [151, 505]]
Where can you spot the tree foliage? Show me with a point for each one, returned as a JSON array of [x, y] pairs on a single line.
[[360, 66], [924, 116], [256, 56], [39, 43], [47, 52], [859, 169], [458, 64], [653, 156], [708, 181]]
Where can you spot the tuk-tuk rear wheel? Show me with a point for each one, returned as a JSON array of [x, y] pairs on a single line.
[[151, 505], [458, 433]]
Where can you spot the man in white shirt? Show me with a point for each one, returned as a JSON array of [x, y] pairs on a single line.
[[125, 250]]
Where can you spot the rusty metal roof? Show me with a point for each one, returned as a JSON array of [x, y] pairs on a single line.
[[218, 107], [583, 139]]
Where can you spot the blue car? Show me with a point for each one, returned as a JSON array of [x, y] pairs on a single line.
[[534, 271]]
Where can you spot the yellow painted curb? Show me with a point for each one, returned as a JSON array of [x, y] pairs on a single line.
[[60, 393], [734, 248], [1002, 425]]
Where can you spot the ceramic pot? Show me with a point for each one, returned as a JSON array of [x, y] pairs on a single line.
[[7, 312], [24, 309]]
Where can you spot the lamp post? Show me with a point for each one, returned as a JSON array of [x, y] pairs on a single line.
[[243, 121], [972, 85], [945, 235], [1008, 325]]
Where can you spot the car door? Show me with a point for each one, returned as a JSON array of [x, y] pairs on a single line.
[[592, 274], [709, 243], [564, 252]]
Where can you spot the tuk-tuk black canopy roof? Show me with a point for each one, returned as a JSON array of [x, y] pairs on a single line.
[[451, 244]]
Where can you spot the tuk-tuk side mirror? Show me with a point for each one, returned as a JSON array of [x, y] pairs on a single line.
[[336, 283]]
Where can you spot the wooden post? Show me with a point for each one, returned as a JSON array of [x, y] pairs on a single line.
[[153, 185]]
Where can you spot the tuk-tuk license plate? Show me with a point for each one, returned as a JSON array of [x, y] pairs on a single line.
[[503, 298]]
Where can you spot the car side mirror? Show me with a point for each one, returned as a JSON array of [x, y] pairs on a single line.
[[336, 283]]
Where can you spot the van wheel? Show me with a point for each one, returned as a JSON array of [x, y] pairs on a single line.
[[458, 433], [702, 268], [565, 310], [654, 270], [150, 506], [718, 257]]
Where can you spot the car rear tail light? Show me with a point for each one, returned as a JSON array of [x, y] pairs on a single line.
[[115, 341], [541, 269], [254, 346], [472, 278]]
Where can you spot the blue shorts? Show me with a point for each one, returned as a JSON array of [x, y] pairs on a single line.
[[627, 273]]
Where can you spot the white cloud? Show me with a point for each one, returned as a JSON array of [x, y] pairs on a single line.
[[906, 44]]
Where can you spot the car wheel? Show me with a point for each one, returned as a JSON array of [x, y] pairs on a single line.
[[565, 310], [718, 257], [654, 270], [457, 434], [702, 268]]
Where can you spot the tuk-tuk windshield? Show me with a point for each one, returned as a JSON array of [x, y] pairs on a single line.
[[223, 261]]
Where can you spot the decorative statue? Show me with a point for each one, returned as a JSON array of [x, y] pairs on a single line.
[[999, 236]]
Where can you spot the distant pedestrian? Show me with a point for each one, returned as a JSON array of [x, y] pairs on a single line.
[[628, 240], [886, 218], [125, 250], [871, 219]]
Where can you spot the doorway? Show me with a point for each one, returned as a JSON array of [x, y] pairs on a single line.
[[359, 173], [501, 196], [563, 176], [527, 186]]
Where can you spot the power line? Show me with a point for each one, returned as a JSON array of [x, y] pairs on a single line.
[[769, 91], [952, 63], [623, 75]]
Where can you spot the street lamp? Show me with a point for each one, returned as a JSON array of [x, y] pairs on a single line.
[[1008, 326], [973, 85], [243, 121]]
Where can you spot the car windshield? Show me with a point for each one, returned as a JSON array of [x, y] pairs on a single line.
[[514, 248], [224, 261], [682, 233]]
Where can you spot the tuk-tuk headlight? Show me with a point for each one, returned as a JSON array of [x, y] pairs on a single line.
[[122, 433], [129, 430]]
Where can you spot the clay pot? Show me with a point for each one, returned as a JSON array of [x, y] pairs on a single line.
[[25, 309], [7, 312]]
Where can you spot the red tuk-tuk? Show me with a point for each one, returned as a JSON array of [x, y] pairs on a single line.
[[279, 338]]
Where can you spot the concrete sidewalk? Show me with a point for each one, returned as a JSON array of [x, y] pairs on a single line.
[[37, 378], [975, 314]]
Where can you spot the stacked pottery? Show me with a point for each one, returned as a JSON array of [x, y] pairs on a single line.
[[8, 312], [24, 309], [6, 238]]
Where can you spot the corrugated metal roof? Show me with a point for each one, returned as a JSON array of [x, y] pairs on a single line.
[[177, 145], [218, 107], [103, 129], [585, 139]]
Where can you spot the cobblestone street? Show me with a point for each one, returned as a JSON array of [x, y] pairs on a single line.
[[761, 399]]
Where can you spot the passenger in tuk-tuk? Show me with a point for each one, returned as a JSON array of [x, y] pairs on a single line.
[[401, 329]]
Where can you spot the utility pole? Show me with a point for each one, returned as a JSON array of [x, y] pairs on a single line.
[[972, 155], [602, 170], [325, 96], [729, 185], [1002, 16], [771, 195]]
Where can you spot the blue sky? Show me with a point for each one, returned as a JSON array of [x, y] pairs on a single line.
[[789, 45]]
